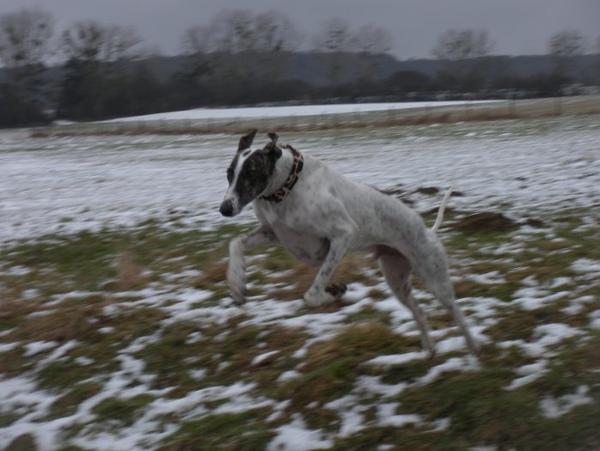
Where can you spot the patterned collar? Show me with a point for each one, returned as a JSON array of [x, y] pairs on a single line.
[[297, 165]]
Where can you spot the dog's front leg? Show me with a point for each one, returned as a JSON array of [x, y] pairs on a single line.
[[236, 270], [317, 294]]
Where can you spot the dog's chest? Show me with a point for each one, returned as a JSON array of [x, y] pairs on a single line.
[[307, 248]]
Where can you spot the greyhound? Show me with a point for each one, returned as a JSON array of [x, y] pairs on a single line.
[[319, 216]]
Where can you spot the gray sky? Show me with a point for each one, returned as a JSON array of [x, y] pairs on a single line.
[[516, 26]]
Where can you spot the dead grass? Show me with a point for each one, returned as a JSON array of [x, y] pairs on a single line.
[[130, 275], [213, 273], [13, 310], [69, 321]]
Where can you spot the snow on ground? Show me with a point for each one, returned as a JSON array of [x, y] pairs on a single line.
[[66, 185], [300, 110], [71, 184]]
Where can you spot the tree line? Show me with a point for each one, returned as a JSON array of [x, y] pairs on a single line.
[[91, 70]]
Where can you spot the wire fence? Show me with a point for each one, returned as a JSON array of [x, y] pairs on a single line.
[[505, 109]]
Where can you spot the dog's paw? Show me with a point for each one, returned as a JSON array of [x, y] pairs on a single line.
[[337, 290], [239, 297], [236, 279], [315, 299]]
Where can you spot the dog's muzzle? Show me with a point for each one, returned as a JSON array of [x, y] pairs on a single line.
[[226, 208]]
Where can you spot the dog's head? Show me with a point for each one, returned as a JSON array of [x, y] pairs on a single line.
[[249, 173]]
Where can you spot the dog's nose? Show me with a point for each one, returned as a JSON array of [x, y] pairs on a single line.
[[226, 208]]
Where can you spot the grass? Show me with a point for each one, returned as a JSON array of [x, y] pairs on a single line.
[[331, 366], [243, 431], [108, 268], [68, 403], [119, 410]]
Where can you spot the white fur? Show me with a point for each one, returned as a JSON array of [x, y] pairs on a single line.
[[327, 215]]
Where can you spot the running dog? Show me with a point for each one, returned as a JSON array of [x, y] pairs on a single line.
[[319, 216]]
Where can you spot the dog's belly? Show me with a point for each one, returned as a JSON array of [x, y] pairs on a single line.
[[309, 249]]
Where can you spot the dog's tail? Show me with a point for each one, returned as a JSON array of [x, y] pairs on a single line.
[[440, 215]]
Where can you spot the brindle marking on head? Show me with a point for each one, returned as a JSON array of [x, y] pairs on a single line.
[[255, 173], [245, 143], [255, 169]]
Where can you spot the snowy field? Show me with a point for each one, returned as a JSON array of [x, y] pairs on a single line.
[[117, 331], [289, 111], [71, 184]]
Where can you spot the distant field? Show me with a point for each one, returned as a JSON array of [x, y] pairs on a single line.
[[300, 110], [117, 331], [328, 117]]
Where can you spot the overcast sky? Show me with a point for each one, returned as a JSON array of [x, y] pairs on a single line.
[[516, 26]]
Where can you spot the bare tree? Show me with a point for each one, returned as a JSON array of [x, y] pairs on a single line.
[[563, 46], [197, 40], [232, 31], [370, 42], [370, 39], [566, 44], [597, 65], [276, 36], [93, 41], [96, 71], [275, 32], [25, 47], [454, 45], [462, 51], [334, 36], [25, 37]]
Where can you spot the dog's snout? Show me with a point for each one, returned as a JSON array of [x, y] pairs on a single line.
[[226, 208]]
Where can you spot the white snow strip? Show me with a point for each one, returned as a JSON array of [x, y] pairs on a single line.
[[288, 376], [262, 357], [533, 298], [585, 265], [351, 414], [468, 363], [286, 111], [528, 373], [387, 417], [557, 407], [595, 319], [38, 346], [5, 347], [396, 359], [296, 437], [372, 385]]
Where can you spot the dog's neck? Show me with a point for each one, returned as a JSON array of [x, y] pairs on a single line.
[[283, 167]]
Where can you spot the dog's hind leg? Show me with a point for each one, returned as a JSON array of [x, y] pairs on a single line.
[[434, 274], [445, 294], [396, 270], [236, 269]]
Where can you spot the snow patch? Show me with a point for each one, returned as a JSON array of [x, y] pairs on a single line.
[[557, 407], [296, 437]]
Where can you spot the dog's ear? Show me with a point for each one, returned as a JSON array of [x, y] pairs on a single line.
[[246, 140], [271, 148]]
